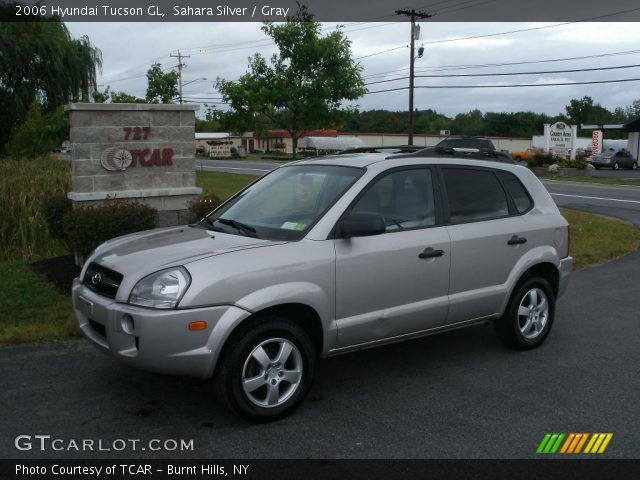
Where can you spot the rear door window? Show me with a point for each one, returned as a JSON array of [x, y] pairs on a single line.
[[474, 194]]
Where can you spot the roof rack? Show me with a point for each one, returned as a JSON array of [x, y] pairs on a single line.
[[449, 152]]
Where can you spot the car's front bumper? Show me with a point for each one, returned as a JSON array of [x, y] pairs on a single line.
[[154, 339], [564, 273]]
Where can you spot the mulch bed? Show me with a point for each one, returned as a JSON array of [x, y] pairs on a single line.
[[59, 271]]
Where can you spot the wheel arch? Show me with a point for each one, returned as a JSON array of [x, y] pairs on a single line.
[[544, 268], [303, 315]]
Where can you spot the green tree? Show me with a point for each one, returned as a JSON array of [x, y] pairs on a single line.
[[161, 87], [633, 110], [585, 110], [39, 61], [107, 96], [303, 86], [39, 133], [122, 97]]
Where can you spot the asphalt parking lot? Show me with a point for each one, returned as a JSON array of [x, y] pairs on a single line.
[[456, 395]]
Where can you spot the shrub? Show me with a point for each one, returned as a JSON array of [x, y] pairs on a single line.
[[54, 210], [39, 133], [88, 227], [579, 164], [200, 207], [555, 168]]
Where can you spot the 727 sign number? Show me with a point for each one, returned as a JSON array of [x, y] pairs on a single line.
[[139, 133]]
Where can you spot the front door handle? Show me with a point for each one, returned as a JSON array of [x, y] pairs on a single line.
[[431, 253], [516, 240]]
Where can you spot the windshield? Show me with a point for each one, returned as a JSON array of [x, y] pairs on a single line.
[[284, 204]]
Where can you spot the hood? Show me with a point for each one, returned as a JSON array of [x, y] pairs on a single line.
[[146, 252]]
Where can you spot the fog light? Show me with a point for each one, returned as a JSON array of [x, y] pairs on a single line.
[[127, 324], [198, 325]]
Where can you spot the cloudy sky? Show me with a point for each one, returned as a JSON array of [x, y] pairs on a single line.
[[221, 50]]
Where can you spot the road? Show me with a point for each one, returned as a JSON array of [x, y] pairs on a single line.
[[616, 200], [456, 395]]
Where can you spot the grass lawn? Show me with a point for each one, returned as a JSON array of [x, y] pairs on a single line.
[[611, 181], [223, 185], [32, 310], [596, 239]]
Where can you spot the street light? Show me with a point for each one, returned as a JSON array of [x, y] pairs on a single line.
[[181, 85], [203, 79]]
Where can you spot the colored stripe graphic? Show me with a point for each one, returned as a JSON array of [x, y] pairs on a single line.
[[573, 443], [598, 443], [550, 443]]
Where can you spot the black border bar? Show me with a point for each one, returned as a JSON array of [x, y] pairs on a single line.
[[324, 10], [197, 469]]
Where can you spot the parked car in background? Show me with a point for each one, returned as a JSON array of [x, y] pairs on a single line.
[[525, 154], [614, 160], [325, 256]]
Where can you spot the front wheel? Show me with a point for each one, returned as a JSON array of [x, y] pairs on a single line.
[[529, 315], [266, 372]]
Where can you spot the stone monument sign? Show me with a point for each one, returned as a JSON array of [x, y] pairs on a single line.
[[134, 152]]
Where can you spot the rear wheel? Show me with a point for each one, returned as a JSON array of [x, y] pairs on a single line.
[[597, 167], [529, 315], [266, 371]]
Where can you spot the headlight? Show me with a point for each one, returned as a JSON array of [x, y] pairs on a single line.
[[162, 289]]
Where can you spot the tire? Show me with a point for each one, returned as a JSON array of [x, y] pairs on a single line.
[[615, 166], [521, 327], [597, 167], [274, 390]]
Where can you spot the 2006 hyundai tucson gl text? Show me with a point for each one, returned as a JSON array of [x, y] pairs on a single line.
[[325, 256]]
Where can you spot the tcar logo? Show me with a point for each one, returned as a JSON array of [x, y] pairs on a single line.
[[116, 159], [96, 279]]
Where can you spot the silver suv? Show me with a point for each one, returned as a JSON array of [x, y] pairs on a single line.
[[325, 256]]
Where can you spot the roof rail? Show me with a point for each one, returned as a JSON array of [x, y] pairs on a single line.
[[379, 149]]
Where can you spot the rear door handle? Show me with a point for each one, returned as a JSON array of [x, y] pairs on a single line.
[[431, 253], [516, 240]]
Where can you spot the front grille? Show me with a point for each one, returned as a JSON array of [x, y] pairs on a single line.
[[102, 280]]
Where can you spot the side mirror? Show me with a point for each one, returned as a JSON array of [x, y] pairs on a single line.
[[361, 224]]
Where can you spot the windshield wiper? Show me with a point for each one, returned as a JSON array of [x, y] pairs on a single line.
[[241, 227]]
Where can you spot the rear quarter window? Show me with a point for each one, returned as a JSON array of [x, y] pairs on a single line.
[[521, 198]]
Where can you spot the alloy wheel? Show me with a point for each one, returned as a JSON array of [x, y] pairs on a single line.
[[533, 313], [272, 372]]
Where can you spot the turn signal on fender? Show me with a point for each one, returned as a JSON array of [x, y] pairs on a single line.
[[201, 325]]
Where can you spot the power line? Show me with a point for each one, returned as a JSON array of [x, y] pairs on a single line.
[[529, 29], [525, 62], [459, 75], [509, 86]]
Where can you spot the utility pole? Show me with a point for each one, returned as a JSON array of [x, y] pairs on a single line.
[[179, 56], [413, 15]]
